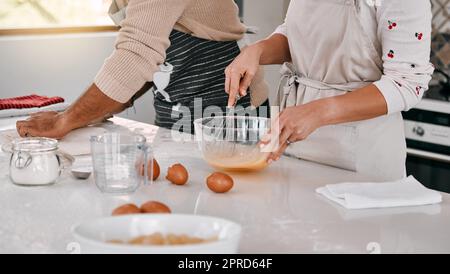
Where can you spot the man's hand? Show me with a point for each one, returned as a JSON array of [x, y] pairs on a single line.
[[44, 124], [92, 107]]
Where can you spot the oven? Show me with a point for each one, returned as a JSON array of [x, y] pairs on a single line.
[[427, 129]]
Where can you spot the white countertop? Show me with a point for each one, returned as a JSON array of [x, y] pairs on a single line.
[[278, 208]]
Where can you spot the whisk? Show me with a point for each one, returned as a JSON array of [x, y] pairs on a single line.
[[225, 132]]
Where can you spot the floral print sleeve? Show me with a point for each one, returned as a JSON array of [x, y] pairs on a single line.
[[404, 30]]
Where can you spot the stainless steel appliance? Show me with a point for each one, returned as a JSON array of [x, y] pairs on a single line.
[[427, 130]]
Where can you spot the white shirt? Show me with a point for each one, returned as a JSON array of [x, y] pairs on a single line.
[[401, 32]]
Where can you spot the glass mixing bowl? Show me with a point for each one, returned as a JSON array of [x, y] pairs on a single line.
[[232, 142]]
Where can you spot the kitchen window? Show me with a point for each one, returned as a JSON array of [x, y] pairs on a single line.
[[53, 16]]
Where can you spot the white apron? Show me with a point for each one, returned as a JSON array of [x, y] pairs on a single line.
[[332, 55]]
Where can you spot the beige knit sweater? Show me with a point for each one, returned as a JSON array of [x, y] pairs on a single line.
[[144, 38]]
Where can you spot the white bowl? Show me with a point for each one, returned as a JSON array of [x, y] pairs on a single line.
[[93, 236]]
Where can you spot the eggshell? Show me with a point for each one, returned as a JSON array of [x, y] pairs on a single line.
[[177, 174], [220, 182], [155, 207], [126, 209]]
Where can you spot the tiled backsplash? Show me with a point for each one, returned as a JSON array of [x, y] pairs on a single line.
[[441, 34], [441, 19]]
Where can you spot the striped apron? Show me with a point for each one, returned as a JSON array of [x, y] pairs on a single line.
[[197, 79]]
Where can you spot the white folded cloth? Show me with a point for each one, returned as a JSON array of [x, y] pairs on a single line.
[[404, 192], [7, 113]]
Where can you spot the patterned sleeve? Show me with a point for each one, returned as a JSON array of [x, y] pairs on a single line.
[[404, 29]]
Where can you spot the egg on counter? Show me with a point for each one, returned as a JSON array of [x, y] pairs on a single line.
[[220, 182], [155, 207], [126, 209], [154, 174], [177, 174]]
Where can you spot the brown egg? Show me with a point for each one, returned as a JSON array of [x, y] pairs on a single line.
[[126, 209], [177, 174], [155, 207], [219, 182], [154, 174]]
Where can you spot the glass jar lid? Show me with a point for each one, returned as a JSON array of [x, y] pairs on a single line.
[[35, 144]]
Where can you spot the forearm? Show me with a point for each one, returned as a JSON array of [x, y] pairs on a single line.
[[92, 106], [362, 104], [274, 50]]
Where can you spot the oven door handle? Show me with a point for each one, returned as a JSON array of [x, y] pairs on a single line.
[[428, 155]]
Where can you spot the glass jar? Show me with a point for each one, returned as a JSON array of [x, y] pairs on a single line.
[[36, 161]]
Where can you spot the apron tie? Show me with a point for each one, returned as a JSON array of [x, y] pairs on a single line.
[[289, 87]]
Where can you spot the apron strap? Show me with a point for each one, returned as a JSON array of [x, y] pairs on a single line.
[[287, 85]]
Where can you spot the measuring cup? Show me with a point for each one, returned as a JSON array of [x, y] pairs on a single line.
[[120, 162]]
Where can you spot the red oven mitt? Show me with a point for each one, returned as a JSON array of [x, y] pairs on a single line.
[[30, 101]]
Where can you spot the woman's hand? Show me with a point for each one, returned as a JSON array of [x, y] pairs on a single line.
[[239, 74], [294, 124], [44, 124]]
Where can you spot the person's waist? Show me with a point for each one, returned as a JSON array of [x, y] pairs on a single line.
[[322, 85], [292, 76], [231, 33]]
